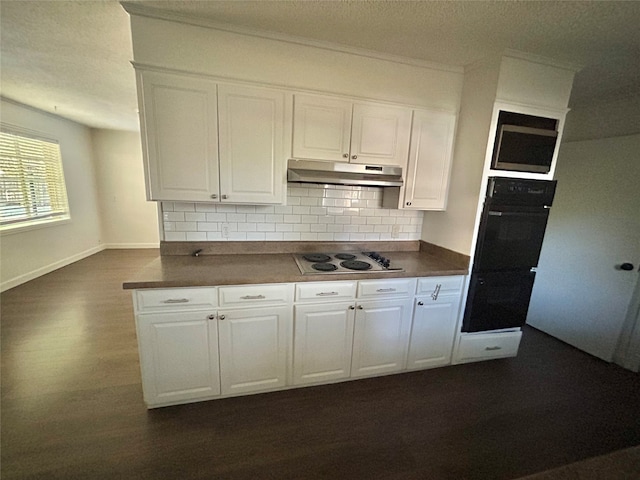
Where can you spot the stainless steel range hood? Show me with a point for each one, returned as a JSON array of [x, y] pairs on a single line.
[[339, 173]]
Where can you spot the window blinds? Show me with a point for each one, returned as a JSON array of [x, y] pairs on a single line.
[[31, 179]]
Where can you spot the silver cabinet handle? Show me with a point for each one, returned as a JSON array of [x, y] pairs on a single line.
[[345, 155], [253, 297], [351, 307], [359, 307], [408, 204], [493, 348], [436, 292], [176, 300], [420, 303], [221, 317], [214, 196], [354, 156], [211, 317], [224, 197], [326, 294], [382, 290]]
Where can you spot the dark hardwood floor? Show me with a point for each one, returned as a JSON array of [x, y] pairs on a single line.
[[72, 405]]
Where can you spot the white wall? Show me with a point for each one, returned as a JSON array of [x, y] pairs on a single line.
[[29, 254], [128, 220], [252, 58], [453, 228]]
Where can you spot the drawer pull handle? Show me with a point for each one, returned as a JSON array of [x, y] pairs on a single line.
[[326, 294], [176, 300], [436, 292], [493, 348], [420, 303], [253, 297], [382, 290]]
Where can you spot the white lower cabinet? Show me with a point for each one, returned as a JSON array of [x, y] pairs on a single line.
[[380, 337], [433, 331], [473, 347], [178, 356], [323, 338], [253, 348], [202, 343]]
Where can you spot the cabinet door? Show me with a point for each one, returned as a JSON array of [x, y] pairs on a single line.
[[433, 331], [178, 356], [321, 128], [380, 134], [323, 337], [252, 141], [253, 348], [380, 337], [179, 136], [430, 155]]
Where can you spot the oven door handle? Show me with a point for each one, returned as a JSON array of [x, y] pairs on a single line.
[[497, 213]]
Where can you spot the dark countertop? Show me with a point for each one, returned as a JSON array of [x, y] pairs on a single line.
[[170, 271]]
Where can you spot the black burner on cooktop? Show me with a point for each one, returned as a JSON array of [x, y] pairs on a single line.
[[324, 267], [345, 256], [355, 265], [316, 257]]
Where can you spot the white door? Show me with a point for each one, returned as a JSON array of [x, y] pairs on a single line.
[[380, 337], [253, 348], [321, 128], [380, 135], [580, 295], [433, 331], [323, 338], [179, 127], [252, 144], [178, 356], [430, 156]]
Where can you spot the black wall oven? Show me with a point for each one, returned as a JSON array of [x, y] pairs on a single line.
[[512, 226]]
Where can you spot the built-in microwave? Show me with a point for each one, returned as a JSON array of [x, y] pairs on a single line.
[[524, 143]]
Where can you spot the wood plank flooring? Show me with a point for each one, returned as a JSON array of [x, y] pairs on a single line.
[[72, 405]]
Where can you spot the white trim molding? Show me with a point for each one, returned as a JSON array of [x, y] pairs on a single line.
[[19, 280]]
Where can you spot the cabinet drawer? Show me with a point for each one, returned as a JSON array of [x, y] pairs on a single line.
[[155, 300], [428, 285], [380, 288], [488, 346], [307, 292], [245, 295]]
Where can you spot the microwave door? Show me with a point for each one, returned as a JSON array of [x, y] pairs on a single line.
[[525, 149]]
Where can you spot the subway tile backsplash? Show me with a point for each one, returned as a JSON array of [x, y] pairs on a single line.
[[313, 212]]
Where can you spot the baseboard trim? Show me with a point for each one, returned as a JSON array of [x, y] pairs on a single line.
[[24, 278], [122, 246]]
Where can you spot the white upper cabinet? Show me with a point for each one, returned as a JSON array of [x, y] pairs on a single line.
[[332, 129], [427, 180], [380, 134], [179, 136], [321, 128], [251, 136], [191, 156]]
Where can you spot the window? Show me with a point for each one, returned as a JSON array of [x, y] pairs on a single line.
[[32, 189]]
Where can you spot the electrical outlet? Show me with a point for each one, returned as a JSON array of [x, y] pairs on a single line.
[[225, 230], [395, 231]]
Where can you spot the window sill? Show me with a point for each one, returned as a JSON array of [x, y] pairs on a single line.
[[26, 226]]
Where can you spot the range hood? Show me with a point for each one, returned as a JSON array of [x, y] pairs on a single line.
[[340, 173]]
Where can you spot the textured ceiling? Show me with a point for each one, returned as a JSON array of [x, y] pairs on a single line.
[[72, 57]]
